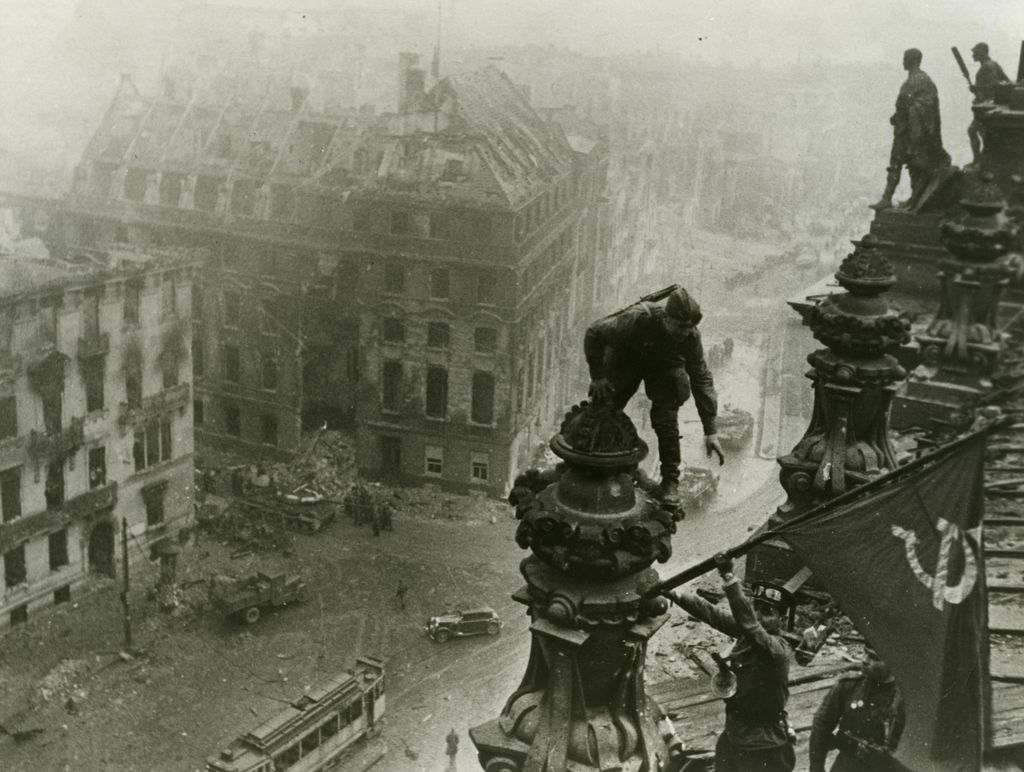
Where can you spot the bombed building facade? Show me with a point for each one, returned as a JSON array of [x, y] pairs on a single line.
[[95, 417], [419, 275]]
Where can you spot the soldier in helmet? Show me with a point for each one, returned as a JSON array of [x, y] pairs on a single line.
[[661, 347], [756, 735], [990, 74], [863, 717]]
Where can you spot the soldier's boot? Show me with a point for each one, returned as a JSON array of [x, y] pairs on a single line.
[[892, 180], [668, 493]]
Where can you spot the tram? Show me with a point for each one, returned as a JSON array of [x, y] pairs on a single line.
[[314, 731]]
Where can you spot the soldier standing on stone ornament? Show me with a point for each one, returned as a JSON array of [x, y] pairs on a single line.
[[756, 735], [661, 347], [990, 75]]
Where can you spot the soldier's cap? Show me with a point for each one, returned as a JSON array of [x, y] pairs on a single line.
[[980, 48], [681, 306], [772, 594]]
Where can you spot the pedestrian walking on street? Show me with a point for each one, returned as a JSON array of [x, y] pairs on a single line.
[[452, 747], [403, 588]]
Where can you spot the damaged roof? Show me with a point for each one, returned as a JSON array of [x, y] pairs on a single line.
[[32, 273], [473, 139]]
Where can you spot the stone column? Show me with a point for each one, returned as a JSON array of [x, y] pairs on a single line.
[[593, 536], [854, 379], [961, 348]]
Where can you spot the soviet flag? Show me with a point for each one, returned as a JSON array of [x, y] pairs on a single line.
[[904, 562]]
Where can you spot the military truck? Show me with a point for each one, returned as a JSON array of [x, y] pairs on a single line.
[[246, 598]]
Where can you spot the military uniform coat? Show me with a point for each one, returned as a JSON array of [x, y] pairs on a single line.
[[756, 734], [631, 346], [870, 711]]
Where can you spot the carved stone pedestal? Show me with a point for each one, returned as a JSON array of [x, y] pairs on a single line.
[[581, 705], [962, 347]]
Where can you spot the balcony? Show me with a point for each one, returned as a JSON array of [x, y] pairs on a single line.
[[94, 346], [83, 507], [155, 406], [57, 445]]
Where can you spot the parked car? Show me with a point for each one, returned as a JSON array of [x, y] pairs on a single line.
[[458, 623], [246, 597]]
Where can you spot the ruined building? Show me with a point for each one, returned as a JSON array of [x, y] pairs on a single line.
[[420, 275], [95, 417]]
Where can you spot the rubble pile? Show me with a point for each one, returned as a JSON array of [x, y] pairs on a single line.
[[324, 464], [63, 681]]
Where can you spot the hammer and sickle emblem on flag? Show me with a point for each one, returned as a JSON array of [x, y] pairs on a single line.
[[938, 582]]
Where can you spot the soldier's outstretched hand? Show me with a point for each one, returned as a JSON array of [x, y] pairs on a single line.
[[712, 445], [601, 391]]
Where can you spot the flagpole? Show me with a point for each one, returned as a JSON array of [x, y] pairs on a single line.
[[708, 564]]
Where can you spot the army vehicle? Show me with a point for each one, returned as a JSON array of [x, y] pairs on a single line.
[[246, 598]]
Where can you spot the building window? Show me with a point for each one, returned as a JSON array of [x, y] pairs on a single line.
[[441, 225], [132, 293], [479, 467], [232, 421], [10, 494], [433, 460], [19, 615], [401, 222], [168, 298], [232, 367], [91, 316], [153, 498], [482, 409], [198, 412], [268, 373], [394, 277], [152, 444], [53, 411], [133, 385], [48, 319], [437, 392], [92, 377], [269, 317], [97, 467], [453, 170], [170, 372], [59, 549], [15, 572], [439, 283], [485, 340], [437, 335], [390, 455], [54, 488], [393, 330], [480, 225], [197, 303], [232, 309], [391, 385], [485, 289], [8, 417], [198, 356], [62, 595], [268, 429]]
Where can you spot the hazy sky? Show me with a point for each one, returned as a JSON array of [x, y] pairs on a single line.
[[47, 65], [732, 29]]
